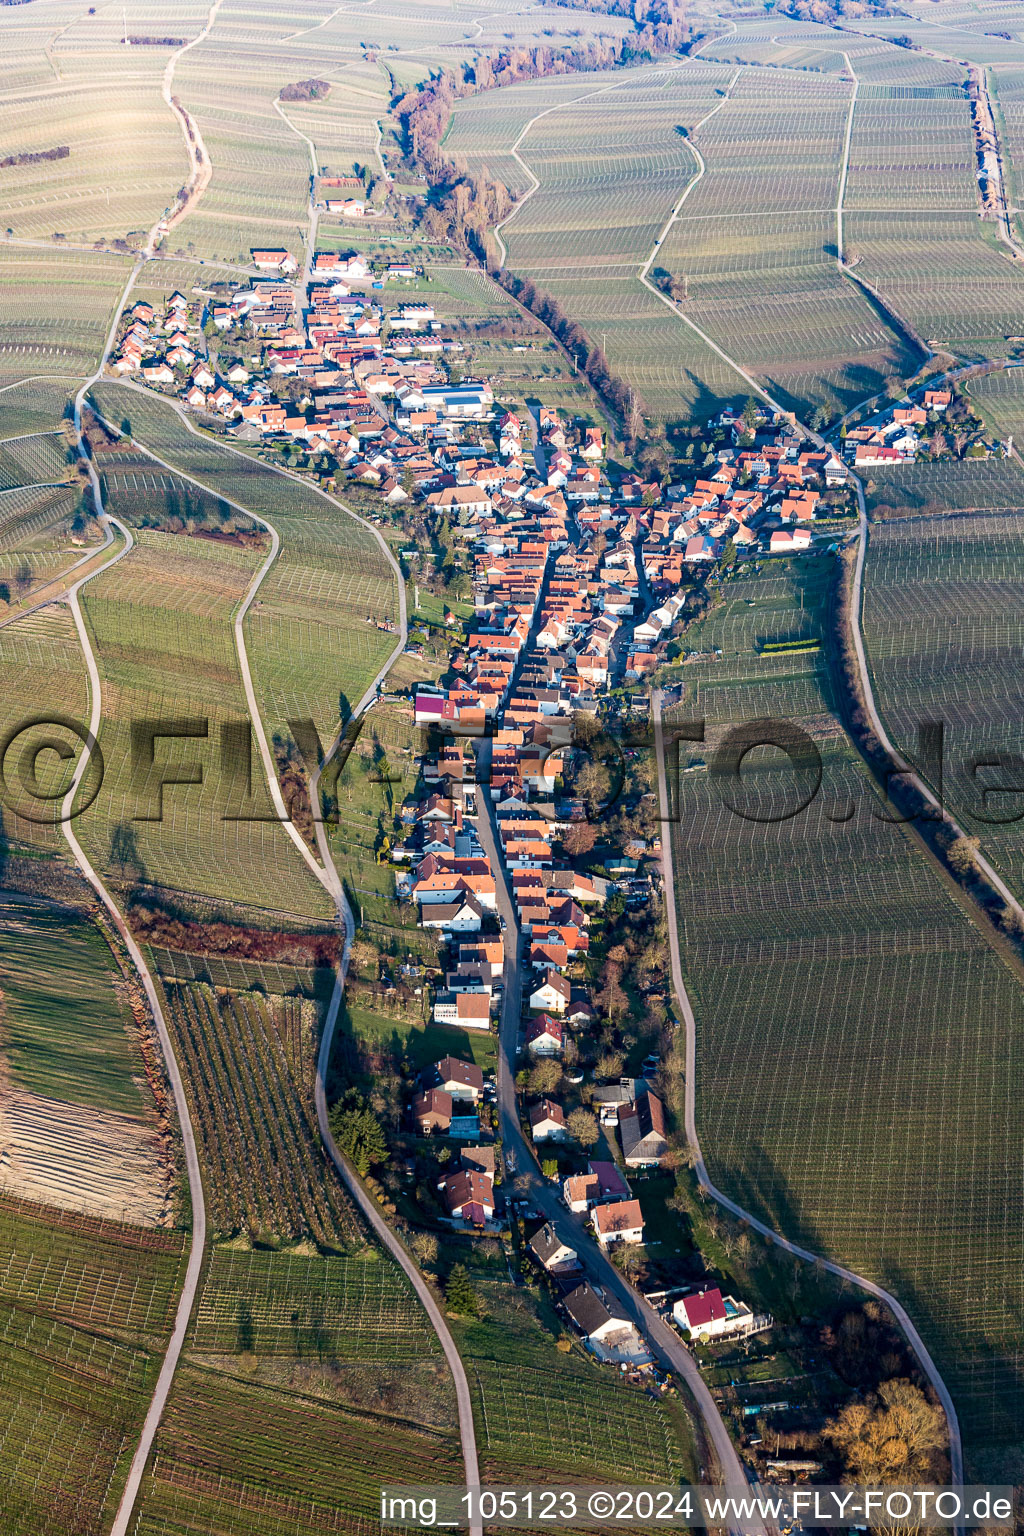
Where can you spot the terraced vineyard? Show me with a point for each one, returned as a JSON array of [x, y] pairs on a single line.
[[57, 309], [756, 243], [83, 1055], [248, 1062], [1000, 399], [859, 1072], [294, 1358], [538, 1419], [934, 488], [357, 1307], [944, 632], [161, 621], [35, 459], [308, 638], [85, 1311]]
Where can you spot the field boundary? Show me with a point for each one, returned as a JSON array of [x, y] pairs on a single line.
[[928, 1366]]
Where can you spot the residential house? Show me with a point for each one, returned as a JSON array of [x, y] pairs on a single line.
[[461, 916], [551, 994], [462, 1079], [547, 1121], [642, 1129], [598, 1315], [465, 1010], [432, 1110], [554, 1255], [468, 1195], [545, 1036], [707, 1314], [618, 1222]]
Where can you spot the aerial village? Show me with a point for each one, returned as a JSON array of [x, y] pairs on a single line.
[[580, 573]]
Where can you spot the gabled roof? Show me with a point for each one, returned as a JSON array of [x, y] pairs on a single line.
[[451, 1070], [704, 1307], [546, 1244], [620, 1216], [590, 1312]]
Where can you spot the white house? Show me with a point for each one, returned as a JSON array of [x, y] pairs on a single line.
[[709, 1315], [547, 1121], [552, 994], [465, 1010], [619, 1222], [549, 1250]]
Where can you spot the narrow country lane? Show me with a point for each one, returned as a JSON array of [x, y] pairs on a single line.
[[327, 873], [664, 1342]]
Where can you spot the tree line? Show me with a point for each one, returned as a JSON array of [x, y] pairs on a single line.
[[464, 207], [36, 156]]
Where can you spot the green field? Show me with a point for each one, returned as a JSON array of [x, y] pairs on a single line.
[[63, 1026], [859, 1073]]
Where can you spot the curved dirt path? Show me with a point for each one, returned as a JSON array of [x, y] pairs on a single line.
[[200, 169], [686, 1010], [327, 873]]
